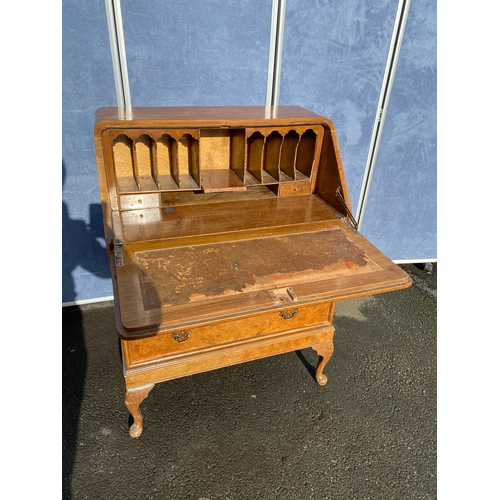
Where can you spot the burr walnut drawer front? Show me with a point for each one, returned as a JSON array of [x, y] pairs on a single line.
[[173, 342]]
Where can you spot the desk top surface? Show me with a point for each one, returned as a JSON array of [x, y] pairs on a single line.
[[181, 282], [201, 113], [214, 209]]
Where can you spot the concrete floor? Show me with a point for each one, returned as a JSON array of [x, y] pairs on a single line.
[[265, 429]]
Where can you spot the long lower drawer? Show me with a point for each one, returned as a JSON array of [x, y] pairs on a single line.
[[174, 342]]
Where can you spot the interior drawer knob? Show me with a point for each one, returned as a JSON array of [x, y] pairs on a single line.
[[289, 313], [182, 336]]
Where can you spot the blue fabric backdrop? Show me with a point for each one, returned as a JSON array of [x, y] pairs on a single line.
[[87, 83], [401, 211], [199, 53], [203, 53], [334, 58], [213, 52]]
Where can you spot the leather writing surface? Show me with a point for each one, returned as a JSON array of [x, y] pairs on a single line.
[[174, 276]]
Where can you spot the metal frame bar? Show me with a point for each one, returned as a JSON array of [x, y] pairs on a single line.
[[387, 81], [118, 56], [275, 53]]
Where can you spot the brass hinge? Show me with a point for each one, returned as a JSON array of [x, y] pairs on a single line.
[[119, 252], [350, 218]]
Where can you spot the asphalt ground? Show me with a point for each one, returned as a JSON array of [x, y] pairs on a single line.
[[263, 429]]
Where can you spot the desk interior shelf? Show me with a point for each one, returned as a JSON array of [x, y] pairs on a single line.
[[213, 159]]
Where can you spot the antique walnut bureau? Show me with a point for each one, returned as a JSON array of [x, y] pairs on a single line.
[[230, 238]]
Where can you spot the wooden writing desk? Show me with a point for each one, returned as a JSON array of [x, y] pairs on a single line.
[[229, 237]]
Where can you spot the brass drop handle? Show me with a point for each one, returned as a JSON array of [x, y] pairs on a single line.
[[289, 313], [182, 336]]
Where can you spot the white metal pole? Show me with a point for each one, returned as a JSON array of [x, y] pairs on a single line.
[[279, 52], [387, 81], [118, 56], [115, 58], [275, 54], [123, 57]]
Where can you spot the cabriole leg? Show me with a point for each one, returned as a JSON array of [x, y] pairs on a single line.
[[324, 351], [133, 398]]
